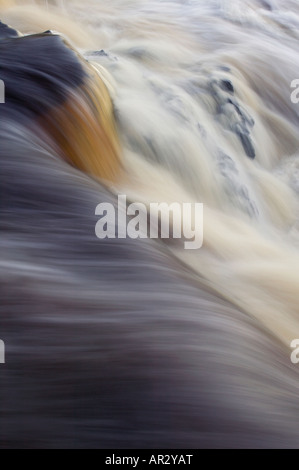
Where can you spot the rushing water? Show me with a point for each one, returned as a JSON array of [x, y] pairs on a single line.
[[201, 92]]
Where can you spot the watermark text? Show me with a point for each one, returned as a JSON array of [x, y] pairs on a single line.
[[2, 92], [295, 93], [2, 352], [295, 353], [157, 220]]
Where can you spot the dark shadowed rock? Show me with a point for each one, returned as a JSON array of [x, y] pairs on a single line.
[[227, 86], [38, 72], [7, 32], [246, 142]]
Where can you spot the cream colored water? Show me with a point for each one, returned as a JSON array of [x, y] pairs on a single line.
[[162, 58]]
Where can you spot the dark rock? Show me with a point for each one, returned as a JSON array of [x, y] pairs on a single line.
[[227, 86], [241, 129], [233, 185], [100, 53], [224, 68], [38, 72], [247, 143], [6, 32], [246, 118], [226, 164]]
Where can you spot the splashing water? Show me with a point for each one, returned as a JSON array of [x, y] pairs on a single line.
[[200, 90]]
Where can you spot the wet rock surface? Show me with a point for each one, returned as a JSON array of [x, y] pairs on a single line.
[[232, 115]]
